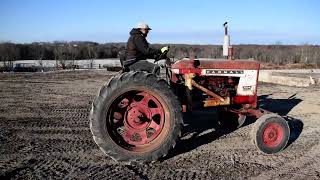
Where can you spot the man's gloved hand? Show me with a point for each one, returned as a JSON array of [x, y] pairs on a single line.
[[164, 49]]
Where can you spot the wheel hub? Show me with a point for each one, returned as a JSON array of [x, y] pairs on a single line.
[[137, 118], [273, 135]]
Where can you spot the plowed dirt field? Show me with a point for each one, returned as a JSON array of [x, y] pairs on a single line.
[[44, 132]]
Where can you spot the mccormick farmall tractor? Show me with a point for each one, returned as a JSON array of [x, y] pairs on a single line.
[[138, 116]]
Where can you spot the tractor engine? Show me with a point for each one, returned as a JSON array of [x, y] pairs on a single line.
[[217, 82], [223, 86]]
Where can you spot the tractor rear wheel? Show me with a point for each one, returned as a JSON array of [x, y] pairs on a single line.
[[136, 117], [270, 133]]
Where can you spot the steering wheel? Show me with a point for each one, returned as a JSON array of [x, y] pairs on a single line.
[[161, 56]]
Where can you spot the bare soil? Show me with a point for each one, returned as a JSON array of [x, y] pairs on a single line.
[[44, 132]]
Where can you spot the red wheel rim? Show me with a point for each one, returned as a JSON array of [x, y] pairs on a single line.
[[273, 135], [136, 120]]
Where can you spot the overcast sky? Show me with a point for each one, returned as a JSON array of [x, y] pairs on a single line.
[[184, 21]]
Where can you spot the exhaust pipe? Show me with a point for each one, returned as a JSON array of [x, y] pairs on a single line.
[[227, 49]]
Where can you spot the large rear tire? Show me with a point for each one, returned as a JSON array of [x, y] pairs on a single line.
[[136, 117], [270, 133]]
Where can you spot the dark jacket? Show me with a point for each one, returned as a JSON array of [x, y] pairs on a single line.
[[138, 48]]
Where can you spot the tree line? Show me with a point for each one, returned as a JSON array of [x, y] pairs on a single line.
[[62, 51]]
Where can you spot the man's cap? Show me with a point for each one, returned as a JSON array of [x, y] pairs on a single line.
[[143, 25]]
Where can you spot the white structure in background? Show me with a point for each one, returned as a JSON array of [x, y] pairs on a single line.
[[82, 64]]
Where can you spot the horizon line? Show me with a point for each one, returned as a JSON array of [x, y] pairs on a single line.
[[196, 44]]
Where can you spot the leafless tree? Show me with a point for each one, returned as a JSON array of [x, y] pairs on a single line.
[[59, 54], [38, 51], [92, 54], [8, 53], [73, 51]]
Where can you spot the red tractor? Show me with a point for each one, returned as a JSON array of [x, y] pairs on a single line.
[[138, 116]]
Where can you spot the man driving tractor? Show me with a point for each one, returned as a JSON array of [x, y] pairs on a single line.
[[138, 51]]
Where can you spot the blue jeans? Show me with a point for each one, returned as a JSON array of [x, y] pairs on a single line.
[[144, 65]]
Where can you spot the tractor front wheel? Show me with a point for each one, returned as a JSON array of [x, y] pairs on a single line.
[[270, 133]]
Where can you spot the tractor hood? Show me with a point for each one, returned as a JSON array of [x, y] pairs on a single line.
[[216, 64]]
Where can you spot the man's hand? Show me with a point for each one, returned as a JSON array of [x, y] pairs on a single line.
[[164, 49]]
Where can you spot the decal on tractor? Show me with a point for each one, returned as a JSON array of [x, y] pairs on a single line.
[[220, 71]]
